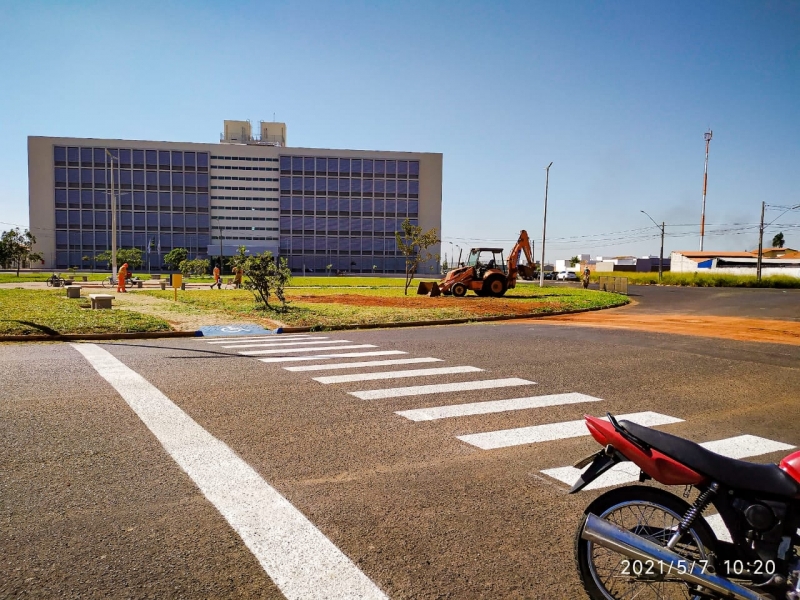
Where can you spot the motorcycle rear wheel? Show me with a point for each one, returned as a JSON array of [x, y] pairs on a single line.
[[655, 515]]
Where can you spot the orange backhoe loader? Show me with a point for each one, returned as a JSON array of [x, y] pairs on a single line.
[[485, 272]]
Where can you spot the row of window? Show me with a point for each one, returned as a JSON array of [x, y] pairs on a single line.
[[346, 224], [347, 186], [366, 167], [152, 201], [243, 189], [256, 208], [238, 218], [102, 220], [244, 198], [238, 237], [131, 240], [100, 178], [337, 244], [127, 158], [349, 205], [245, 158], [234, 178], [238, 168], [343, 262]]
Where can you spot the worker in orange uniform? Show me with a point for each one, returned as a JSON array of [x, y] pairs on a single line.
[[121, 277], [217, 280]]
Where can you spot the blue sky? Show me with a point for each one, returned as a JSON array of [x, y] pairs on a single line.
[[616, 94]]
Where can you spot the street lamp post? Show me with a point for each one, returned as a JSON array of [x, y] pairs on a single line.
[[661, 254], [707, 138], [544, 222], [113, 218]]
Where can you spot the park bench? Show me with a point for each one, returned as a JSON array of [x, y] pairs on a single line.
[[100, 301], [73, 291]]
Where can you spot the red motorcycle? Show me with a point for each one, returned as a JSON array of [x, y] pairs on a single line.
[[643, 542]]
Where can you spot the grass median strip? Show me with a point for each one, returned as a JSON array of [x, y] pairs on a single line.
[[45, 312]]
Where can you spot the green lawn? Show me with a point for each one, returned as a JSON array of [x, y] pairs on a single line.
[[705, 279], [25, 312], [396, 307]]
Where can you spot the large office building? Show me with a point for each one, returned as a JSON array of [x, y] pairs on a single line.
[[315, 207]]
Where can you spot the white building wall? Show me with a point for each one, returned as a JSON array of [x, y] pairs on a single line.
[[680, 264]]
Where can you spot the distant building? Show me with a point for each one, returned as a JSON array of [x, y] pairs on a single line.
[[736, 263], [315, 207]]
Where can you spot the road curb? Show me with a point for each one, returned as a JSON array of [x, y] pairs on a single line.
[[283, 329], [446, 321], [72, 337]]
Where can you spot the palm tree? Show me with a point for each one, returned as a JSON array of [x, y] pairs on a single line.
[[778, 241]]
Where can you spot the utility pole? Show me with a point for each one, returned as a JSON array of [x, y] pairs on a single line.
[[661, 254], [544, 223], [707, 137], [760, 244]]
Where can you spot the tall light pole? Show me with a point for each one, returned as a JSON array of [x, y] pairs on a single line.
[[707, 137], [661, 255], [544, 223], [452, 256], [113, 218]]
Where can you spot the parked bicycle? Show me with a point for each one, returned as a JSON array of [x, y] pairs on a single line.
[[55, 281], [111, 281]]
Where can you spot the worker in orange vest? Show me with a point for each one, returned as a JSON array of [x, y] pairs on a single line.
[[217, 280], [121, 277]]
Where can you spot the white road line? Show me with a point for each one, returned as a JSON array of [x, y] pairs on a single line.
[[242, 338], [314, 349], [395, 374], [741, 446], [297, 556], [440, 388], [364, 363], [493, 406], [553, 431], [322, 342], [337, 355]]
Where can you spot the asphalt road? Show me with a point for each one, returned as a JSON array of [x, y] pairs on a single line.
[[93, 504]]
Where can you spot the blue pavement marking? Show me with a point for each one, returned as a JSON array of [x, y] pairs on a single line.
[[237, 329]]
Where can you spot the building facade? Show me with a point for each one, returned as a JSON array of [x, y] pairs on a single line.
[[315, 207]]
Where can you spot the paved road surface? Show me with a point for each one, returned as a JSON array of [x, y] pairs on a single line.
[[453, 491]]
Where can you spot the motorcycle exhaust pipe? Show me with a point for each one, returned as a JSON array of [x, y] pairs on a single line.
[[613, 537]]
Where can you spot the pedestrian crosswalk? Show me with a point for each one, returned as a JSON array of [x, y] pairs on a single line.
[[320, 350]]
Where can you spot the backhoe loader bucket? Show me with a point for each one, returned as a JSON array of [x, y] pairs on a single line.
[[429, 288]]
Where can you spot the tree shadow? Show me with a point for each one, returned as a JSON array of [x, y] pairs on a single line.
[[42, 328]]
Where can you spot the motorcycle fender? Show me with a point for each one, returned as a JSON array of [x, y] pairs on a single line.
[[602, 462]]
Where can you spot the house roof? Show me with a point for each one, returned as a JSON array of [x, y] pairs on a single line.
[[697, 255], [764, 250]]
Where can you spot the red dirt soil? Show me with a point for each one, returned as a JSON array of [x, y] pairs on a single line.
[[470, 304]]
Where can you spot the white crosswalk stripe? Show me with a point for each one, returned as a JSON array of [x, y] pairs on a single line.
[[440, 388], [554, 431], [292, 350], [334, 355], [245, 338], [739, 447], [364, 363], [493, 406], [395, 374], [321, 341]]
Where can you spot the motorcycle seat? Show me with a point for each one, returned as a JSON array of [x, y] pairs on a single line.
[[729, 472]]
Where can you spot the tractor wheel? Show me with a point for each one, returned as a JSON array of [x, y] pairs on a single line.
[[459, 290], [495, 285]]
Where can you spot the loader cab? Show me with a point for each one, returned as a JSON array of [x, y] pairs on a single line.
[[484, 259]]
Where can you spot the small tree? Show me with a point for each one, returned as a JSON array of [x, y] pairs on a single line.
[[778, 241], [16, 248], [132, 256], [574, 261], [413, 244], [175, 257], [328, 269], [265, 276], [198, 266]]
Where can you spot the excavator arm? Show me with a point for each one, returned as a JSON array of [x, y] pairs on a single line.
[[523, 245]]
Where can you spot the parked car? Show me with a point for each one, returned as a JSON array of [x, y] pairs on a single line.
[[549, 275], [567, 276]]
